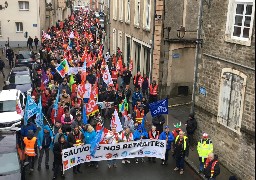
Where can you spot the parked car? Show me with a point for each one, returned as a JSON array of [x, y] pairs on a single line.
[[9, 119], [26, 58], [14, 164], [20, 80]]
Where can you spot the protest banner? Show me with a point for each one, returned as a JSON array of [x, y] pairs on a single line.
[[143, 148]]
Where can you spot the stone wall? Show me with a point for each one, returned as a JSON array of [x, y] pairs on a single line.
[[236, 151]]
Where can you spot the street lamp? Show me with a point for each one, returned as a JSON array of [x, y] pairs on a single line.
[[5, 5]]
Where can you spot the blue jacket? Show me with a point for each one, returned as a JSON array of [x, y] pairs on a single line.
[[170, 139], [43, 139], [137, 135], [136, 96], [25, 129], [89, 136]]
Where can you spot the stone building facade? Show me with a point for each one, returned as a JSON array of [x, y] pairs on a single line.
[[225, 94], [131, 25], [178, 48]]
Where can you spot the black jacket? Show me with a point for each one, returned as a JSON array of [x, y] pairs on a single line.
[[207, 170], [57, 148], [179, 150], [158, 121], [191, 126]]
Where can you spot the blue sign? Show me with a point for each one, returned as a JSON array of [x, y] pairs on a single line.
[[175, 55], [202, 91], [159, 107]]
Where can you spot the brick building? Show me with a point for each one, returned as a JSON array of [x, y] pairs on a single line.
[[225, 94]]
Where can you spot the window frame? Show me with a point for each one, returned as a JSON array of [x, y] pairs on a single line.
[[121, 10], [229, 37], [128, 11], [219, 119], [20, 23], [23, 5], [137, 13], [114, 9], [147, 12]]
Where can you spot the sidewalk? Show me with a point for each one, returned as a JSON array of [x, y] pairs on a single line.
[[179, 113]]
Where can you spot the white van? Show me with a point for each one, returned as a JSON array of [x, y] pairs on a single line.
[[9, 119]]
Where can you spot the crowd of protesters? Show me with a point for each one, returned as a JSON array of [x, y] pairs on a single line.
[[66, 128]]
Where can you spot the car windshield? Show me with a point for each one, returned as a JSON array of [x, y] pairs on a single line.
[[11, 163], [20, 79], [24, 56], [7, 106]]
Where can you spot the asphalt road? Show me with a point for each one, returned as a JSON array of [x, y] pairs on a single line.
[[142, 171]]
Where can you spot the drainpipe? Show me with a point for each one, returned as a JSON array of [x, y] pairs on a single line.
[[153, 39], [109, 24], [197, 55]]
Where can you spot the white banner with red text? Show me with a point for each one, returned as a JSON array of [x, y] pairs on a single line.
[[142, 148]]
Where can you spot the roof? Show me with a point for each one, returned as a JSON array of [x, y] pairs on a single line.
[[7, 142], [21, 68], [10, 94]]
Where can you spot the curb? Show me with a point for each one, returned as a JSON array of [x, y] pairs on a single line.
[[191, 164]]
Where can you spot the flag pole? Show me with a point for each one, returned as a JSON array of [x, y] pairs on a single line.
[[48, 123]]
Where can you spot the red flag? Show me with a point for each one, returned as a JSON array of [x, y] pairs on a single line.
[[91, 106]]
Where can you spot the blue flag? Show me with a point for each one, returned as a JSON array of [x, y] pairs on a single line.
[[55, 106], [30, 109], [84, 115], [95, 142], [159, 107], [39, 115]]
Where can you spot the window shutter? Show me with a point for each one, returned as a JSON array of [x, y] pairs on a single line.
[[225, 98], [235, 101]]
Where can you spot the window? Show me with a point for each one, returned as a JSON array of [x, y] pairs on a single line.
[[128, 11], [120, 38], [114, 41], [23, 5], [231, 99], [147, 8], [240, 21], [115, 9], [0, 28], [19, 27], [121, 12], [137, 13]]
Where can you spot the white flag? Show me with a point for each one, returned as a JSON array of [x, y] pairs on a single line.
[[116, 122], [107, 77]]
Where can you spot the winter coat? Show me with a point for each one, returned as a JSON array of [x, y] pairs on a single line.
[[138, 134], [191, 126], [89, 136], [25, 129], [44, 139], [57, 149], [207, 170], [158, 121], [180, 150], [163, 136], [66, 87], [136, 96]]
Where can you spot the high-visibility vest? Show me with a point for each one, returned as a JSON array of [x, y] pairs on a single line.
[[204, 148], [30, 146], [139, 115], [212, 168], [139, 80], [153, 90], [184, 139]]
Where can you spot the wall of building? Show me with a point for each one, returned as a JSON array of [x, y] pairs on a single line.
[[176, 14], [139, 37], [30, 20], [236, 150]]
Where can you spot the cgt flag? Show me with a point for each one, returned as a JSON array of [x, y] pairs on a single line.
[[159, 107]]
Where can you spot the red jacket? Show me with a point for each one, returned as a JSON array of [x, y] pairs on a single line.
[[59, 114], [45, 99]]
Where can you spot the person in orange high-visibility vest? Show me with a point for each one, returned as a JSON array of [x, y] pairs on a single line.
[[153, 88], [137, 80], [30, 149], [153, 134], [114, 75], [139, 114], [211, 167]]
